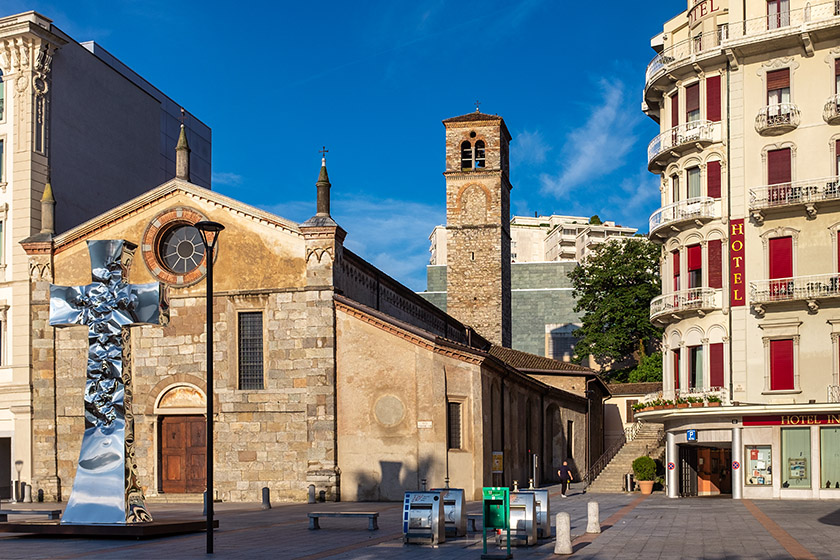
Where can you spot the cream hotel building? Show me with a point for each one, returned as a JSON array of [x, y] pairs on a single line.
[[747, 96]]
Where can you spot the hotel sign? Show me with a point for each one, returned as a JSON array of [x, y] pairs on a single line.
[[832, 419], [703, 9], [737, 281]]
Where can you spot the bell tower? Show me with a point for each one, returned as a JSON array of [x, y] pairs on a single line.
[[478, 224]]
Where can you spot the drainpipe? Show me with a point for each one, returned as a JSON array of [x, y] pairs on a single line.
[[729, 213]]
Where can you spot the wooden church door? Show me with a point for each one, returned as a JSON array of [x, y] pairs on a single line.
[[183, 454]]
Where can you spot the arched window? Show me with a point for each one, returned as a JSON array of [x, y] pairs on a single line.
[[466, 155], [479, 154]]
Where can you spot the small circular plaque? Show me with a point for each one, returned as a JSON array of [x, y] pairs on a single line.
[[389, 410]]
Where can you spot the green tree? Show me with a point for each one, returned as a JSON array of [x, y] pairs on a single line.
[[595, 220], [613, 289], [648, 370]]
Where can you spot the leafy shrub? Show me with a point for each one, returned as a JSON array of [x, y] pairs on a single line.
[[644, 468]]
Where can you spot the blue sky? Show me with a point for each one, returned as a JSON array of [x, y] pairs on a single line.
[[373, 80]]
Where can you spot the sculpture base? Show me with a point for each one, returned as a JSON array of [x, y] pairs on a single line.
[[154, 529]]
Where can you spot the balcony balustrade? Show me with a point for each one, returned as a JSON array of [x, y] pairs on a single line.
[[777, 119], [787, 25], [694, 210], [674, 141], [678, 304], [833, 394], [831, 110], [798, 193], [810, 289]]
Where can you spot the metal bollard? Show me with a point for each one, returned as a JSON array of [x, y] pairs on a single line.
[[204, 513], [311, 493], [423, 482], [593, 524], [27, 494], [266, 498], [563, 543]]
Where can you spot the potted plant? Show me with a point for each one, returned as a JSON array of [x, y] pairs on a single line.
[[713, 400], [694, 401], [644, 469], [681, 402]]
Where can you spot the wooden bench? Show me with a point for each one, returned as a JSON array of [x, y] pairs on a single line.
[[471, 518], [50, 513], [373, 517]]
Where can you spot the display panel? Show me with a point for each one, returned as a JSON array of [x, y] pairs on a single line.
[[759, 471], [830, 457]]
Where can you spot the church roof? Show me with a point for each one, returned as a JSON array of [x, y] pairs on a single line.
[[474, 116], [526, 361]]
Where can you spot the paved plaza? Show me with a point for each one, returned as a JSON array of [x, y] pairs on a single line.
[[632, 527]]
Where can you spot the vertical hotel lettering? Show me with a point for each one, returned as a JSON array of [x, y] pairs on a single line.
[[737, 281]]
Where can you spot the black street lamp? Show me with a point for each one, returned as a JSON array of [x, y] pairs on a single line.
[[209, 232]]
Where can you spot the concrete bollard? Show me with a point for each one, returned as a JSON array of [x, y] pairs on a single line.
[[516, 486], [593, 524], [563, 544], [311, 493], [266, 498], [27, 494]]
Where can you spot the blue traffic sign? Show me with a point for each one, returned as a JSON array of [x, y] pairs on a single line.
[[691, 435]]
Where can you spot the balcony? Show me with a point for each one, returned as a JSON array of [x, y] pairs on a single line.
[[676, 305], [675, 141], [682, 52], [777, 119], [810, 289], [694, 210], [833, 394], [806, 194], [831, 110]]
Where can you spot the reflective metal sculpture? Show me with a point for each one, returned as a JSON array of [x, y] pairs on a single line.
[[105, 489]]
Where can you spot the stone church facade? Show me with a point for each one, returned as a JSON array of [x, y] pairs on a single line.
[[327, 371]]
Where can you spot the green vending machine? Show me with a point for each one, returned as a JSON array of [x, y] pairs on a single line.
[[496, 516]]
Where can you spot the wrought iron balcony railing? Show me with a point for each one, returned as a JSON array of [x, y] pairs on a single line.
[[700, 208], [834, 394], [694, 300], [786, 21], [781, 195], [685, 135], [777, 118], [682, 51], [796, 288]]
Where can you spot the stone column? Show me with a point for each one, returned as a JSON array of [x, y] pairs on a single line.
[[737, 457], [672, 486]]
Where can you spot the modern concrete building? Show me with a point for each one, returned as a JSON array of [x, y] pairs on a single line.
[[79, 128], [746, 95], [544, 249]]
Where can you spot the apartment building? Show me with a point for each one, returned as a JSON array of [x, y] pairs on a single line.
[[746, 96]]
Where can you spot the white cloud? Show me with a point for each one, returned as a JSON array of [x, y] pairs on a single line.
[[599, 146], [226, 178], [528, 148]]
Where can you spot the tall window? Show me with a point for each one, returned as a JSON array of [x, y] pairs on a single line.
[[781, 267], [695, 266], [716, 364], [781, 365], [570, 438], [251, 350], [676, 364], [479, 154], [692, 103], [713, 179], [778, 13], [466, 155], [629, 413], [796, 458], [779, 176], [454, 422], [715, 259], [694, 190], [830, 457], [675, 109], [836, 75], [695, 366], [713, 109], [675, 267], [778, 86], [675, 187]]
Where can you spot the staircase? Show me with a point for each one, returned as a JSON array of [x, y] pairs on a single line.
[[648, 441]]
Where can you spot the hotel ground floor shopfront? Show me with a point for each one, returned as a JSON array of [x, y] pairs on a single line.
[[754, 452]]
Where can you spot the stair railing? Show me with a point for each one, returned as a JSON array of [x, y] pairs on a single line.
[[598, 466]]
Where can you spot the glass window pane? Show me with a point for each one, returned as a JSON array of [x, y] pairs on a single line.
[[830, 457], [250, 350], [696, 367], [796, 458], [758, 470], [694, 182]]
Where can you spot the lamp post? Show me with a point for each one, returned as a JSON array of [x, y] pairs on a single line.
[[209, 232], [17, 493]]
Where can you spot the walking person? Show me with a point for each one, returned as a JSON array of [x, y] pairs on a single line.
[[565, 477]]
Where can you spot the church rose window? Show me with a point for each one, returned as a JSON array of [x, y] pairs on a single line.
[[181, 249], [172, 249]]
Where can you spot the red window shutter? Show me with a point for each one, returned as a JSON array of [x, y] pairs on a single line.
[[716, 364], [778, 79], [778, 166], [713, 108], [713, 179], [676, 269], [692, 98], [781, 257], [675, 110], [695, 257], [837, 66], [781, 365], [715, 263], [676, 370]]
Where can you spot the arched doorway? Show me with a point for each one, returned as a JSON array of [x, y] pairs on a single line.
[[182, 442]]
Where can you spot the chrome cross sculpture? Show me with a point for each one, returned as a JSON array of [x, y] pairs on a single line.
[[105, 489]]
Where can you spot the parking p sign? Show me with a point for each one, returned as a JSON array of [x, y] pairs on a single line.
[[691, 435]]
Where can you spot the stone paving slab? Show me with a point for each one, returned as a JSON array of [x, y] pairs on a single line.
[[656, 528]]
